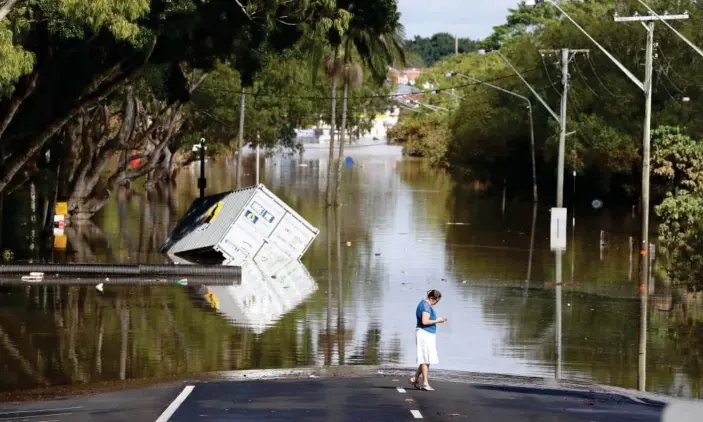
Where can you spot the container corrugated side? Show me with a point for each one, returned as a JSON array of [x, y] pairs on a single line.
[[209, 234]]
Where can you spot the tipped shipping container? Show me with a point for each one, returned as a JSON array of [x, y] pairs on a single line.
[[233, 228]]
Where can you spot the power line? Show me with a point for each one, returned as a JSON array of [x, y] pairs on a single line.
[[593, 67], [585, 81], [310, 97], [541, 55]]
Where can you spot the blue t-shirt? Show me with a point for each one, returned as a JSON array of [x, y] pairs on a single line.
[[423, 306]]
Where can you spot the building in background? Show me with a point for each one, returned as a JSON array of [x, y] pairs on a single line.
[[405, 93]]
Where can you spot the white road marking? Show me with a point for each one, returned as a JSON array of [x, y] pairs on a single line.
[[416, 414], [171, 409], [400, 390]]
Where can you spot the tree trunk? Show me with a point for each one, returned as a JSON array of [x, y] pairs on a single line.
[[36, 144], [340, 161], [6, 8], [333, 123], [17, 100], [240, 142]]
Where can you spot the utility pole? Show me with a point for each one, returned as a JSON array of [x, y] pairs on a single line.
[[646, 158], [240, 142], [566, 56], [646, 87], [456, 44]]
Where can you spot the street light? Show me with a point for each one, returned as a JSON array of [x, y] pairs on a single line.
[[529, 109]]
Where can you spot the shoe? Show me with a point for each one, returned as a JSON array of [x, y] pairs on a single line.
[[427, 387], [415, 382]]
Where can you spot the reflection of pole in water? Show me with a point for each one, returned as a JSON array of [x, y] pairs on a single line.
[[32, 217], [328, 343], [629, 271], [642, 373], [558, 312], [532, 244], [340, 307], [573, 250], [505, 185], [652, 256]]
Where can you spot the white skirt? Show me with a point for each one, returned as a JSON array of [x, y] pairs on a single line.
[[426, 344]]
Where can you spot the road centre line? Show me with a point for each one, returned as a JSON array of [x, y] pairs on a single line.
[[171, 409], [416, 414]]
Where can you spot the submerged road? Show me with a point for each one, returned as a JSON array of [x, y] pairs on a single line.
[[374, 398]]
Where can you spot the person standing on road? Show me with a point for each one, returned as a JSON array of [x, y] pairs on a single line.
[[426, 339]]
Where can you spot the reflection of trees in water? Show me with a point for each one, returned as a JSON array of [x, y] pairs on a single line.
[[89, 244], [78, 335], [600, 337], [135, 227]]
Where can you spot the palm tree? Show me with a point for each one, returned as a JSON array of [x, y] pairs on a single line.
[[376, 36], [323, 44]]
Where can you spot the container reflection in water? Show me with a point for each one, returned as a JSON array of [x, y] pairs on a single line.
[[263, 297]]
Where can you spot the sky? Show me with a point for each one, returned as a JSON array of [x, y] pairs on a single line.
[[465, 18]]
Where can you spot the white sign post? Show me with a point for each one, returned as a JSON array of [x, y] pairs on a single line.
[[59, 225], [557, 236]]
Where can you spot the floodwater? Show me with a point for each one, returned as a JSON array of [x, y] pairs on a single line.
[[404, 228]]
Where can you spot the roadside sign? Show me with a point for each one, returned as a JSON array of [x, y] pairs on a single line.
[[557, 235], [59, 224], [61, 208], [60, 241]]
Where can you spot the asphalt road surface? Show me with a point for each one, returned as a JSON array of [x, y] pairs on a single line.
[[376, 398]]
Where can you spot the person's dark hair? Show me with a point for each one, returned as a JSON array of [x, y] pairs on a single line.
[[434, 294]]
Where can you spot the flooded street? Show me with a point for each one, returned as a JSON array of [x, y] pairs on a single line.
[[404, 228]]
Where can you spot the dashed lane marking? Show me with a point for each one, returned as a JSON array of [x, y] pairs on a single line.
[[416, 414], [400, 390], [171, 409]]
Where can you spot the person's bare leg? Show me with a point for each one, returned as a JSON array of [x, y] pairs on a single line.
[[425, 375], [415, 380]]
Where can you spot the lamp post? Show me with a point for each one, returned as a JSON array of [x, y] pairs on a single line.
[[529, 110]]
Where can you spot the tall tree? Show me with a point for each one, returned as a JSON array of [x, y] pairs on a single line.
[[323, 44], [377, 38]]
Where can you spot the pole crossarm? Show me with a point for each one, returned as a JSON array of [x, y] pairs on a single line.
[[664, 20], [622, 67], [650, 18]]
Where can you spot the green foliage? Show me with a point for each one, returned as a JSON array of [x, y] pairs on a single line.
[[677, 158], [16, 62], [425, 136], [605, 109], [439, 46], [519, 22], [120, 17], [681, 235]]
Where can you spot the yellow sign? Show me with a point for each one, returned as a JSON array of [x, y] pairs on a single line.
[[212, 213], [61, 208], [212, 300], [60, 241]]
